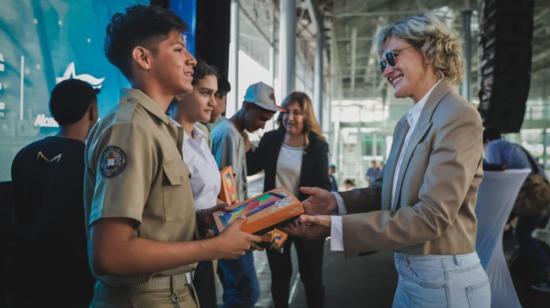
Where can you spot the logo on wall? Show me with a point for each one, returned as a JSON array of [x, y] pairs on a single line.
[[2, 69], [70, 73], [2, 63], [43, 120]]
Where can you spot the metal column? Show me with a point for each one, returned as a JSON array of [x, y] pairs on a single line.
[[544, 145], [318, 88], [273, 54], [234, 52], [467, 19], [318, 81], [287, 46]]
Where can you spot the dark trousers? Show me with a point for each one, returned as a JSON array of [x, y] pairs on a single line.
[[43, 291], [204, 284], [310, 265], [533, 249]]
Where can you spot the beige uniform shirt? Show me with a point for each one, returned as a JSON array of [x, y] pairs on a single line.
[[134, 169]]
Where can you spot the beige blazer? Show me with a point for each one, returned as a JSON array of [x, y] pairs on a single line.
[[436, 189]]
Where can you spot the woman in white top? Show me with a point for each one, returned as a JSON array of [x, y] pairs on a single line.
[[294, 155], [194, 107]]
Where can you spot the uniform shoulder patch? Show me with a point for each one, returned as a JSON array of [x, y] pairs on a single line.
[[112, 161]]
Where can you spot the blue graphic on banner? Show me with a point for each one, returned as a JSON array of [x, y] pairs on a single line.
[[187, 10], [47, 41]]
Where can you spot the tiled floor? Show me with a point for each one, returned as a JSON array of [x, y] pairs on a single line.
[[264, 277], [349, 283]]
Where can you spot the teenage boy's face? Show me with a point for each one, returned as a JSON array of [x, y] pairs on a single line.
[[220, 106], [256, 118], [173, 64]]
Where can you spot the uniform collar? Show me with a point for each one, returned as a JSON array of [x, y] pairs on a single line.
[[147, 103], [195, 134]]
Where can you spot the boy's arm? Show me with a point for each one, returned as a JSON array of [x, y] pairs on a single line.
[[116, 250]]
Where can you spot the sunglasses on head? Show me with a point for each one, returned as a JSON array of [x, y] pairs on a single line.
[[389, 58]]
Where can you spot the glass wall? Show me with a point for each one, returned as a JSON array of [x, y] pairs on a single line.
[[258, 55]]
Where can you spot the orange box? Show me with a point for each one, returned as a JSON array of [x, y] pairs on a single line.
[[274, 239], [263, 211], [228, 191]]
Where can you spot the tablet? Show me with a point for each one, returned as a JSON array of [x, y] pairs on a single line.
[[262, 211]]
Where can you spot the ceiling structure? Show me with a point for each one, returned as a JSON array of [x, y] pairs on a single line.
[[350, 26]]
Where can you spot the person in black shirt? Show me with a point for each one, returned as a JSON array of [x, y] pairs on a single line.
[[50, 267]]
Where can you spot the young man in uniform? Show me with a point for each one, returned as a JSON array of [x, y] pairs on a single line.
[[139, 206], [47, 178], [229, 146]]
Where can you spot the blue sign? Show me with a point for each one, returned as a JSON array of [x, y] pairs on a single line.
[[44, 42]]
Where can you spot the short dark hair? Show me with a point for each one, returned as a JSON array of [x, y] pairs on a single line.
[[70, 99], [349, 182], [491, 133], [223, 84], [140, 25], [201, 70]]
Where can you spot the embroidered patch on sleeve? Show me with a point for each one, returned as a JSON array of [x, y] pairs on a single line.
[[112, 161]]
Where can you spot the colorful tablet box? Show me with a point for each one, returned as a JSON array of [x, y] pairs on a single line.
[[274, 239], [228, 191], [263, 211]]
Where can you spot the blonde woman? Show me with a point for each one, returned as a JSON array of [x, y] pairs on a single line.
[[426, 210], [294, 155]]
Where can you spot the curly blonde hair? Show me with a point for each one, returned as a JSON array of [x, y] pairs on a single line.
[[433, 38]]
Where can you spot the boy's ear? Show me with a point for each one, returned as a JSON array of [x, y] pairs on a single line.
[[142, 57], [93, 112]]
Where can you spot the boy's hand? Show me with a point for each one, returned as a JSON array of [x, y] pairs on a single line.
[[233, 243]]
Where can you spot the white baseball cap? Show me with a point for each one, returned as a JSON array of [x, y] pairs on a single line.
[[261, 95]]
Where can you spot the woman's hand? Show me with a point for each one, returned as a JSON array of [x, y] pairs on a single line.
[[319, 202], [309, 227]]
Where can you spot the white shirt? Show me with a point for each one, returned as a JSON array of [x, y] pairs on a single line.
[[289, 166], [412, 119], [204, 174], [336, 232]]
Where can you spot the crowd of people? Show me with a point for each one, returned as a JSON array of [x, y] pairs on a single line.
[[121, 208]]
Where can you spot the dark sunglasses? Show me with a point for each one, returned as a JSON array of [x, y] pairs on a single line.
[[389, 58]]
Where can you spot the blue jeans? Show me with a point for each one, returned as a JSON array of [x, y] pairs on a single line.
[[441, 281], [239, 280]]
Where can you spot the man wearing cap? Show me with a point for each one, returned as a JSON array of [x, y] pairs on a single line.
[[229, 146], [49, 213]]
